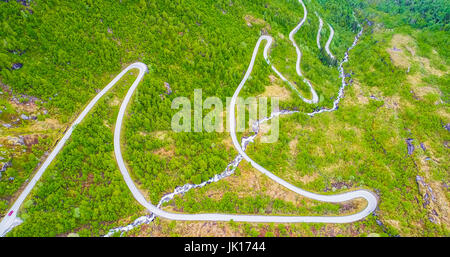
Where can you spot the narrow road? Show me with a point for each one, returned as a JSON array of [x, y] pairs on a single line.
[[10, 219], [319, 31], [327, 46], [315, 98]]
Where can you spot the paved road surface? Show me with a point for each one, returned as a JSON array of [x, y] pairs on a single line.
[[8, 221], [319, 31], [327, 46]]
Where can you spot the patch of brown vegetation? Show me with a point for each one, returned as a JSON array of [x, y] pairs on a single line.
[[250, 21], [29, 107], [359, 93], [106, 124], [392, 103], [30, 140], [115, 101], [353, 206], [420, 90], [88, 182], [275, 90], [163, 135], [165, 151], [293, 147], [425, 90], [435, 201], [189, 229], [444, 114], [47, 124], [228, 143], [403, 53]]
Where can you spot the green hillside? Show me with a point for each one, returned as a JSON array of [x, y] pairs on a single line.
[[57, 55]]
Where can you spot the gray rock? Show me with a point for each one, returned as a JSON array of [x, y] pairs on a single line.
[[423, 147], [23, 2], [24, 117], [17, 66], [168, 89], [410, 146], [5, 166]]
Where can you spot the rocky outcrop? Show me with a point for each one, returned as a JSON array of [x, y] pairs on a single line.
[[424, 148], [168, 89], [17, 66], [428, 198], [30, 140], [4, 166], [16, 140], [24, 117], [410, 145]]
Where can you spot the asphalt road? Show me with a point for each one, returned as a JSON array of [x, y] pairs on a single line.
[[327, 46], [10, 220], [319, 31]]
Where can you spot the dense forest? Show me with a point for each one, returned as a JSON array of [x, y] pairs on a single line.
[[432, 14]]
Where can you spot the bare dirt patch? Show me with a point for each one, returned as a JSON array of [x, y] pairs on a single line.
[[276, 91], [29, 107], [400, 44], [250, 21], [392, 102], [189, 229], [161, 135], [47, 124], [403, 54], [362, 99], [165, 151], [228, 142]]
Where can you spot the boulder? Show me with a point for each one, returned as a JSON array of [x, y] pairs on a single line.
[[5, 166], [410, 146], [17, 66], [24, 117], [422, 145], [168, 89]]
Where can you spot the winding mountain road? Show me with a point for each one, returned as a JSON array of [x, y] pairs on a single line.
[[330, 38], [327, 46], [10, 221], [319, 31], [315, 98]]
